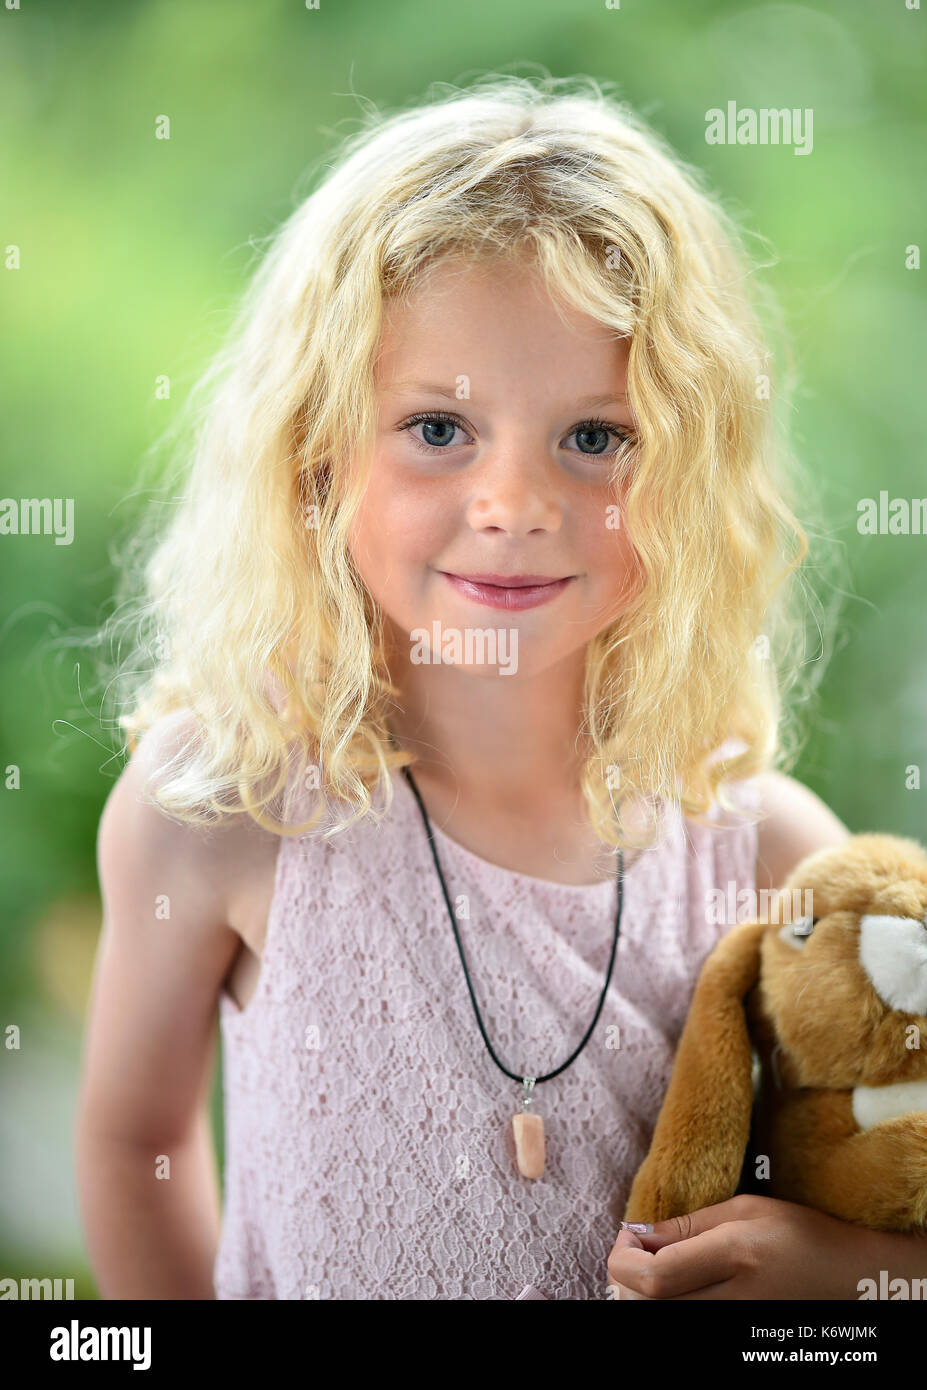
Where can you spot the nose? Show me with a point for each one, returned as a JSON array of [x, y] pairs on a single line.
[[517, 493]]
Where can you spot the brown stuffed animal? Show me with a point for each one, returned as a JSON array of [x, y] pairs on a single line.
[[806, 1039]]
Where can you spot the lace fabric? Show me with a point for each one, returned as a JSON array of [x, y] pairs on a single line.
[[369, 1150]]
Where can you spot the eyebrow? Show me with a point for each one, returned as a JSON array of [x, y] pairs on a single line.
[[427, 387]]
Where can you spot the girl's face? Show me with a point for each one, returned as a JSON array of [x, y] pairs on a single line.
[[498, 422]]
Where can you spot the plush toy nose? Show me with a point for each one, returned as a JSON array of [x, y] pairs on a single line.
[[893, 953]]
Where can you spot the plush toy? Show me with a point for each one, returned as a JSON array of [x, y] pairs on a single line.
[[806, 1045]]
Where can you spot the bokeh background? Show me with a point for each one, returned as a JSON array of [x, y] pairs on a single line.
[[133, 250]]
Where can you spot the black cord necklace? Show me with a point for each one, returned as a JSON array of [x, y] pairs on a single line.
[[528, 1128]]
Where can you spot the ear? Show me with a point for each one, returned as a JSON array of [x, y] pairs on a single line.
[[701, 1134]]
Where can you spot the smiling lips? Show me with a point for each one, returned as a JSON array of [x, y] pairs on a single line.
[[514, 591]]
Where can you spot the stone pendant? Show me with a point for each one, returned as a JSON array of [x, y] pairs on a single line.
[[529, 1136], [529, 1144]]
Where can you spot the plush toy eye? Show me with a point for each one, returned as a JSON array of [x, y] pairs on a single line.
[[805, 926]]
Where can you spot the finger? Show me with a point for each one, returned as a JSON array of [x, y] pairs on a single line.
[[626, 1240], [725, 1291], [626, 1261], [617, 1289], [693, 1223], [629, 1240], [621, 1292], [680, 1267]]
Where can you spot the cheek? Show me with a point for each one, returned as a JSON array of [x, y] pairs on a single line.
[[606, 546], [400, 527]]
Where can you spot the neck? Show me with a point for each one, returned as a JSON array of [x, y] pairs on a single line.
[[516, 736]]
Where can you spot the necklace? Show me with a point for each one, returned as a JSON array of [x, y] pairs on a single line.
[[527, 1126]]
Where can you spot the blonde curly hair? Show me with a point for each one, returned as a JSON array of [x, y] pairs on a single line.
[[260, 625]]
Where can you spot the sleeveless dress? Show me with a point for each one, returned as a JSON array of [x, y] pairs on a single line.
[[369, 1150]]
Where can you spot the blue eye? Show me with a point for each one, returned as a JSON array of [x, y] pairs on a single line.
[[438, 434], [441, 427], [600, 430]]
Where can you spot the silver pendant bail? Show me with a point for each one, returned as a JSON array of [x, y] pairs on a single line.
[[527, 1088]]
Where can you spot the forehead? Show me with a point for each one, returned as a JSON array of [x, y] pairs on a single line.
[[497, 319]]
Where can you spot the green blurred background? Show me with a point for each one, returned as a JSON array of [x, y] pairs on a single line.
[[133, 251]]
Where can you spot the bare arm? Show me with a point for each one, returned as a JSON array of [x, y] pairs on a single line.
[[795, 823], [146, 1170]]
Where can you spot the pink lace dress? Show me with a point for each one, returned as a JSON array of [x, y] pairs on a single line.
[[369, 1150]]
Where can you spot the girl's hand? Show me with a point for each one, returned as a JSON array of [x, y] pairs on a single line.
[[750, 1247]]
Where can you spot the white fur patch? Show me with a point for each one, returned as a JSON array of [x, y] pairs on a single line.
[[893, 953], [873, 1104], [755, 1071], [787, 935]]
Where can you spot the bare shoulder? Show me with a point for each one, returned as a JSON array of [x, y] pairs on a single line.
[[228, 868], [794, 822], [172, 894]]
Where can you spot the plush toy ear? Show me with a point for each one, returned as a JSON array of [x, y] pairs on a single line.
[[702, 1131]]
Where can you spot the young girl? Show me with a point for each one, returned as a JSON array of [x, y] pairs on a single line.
[[470, 638]]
